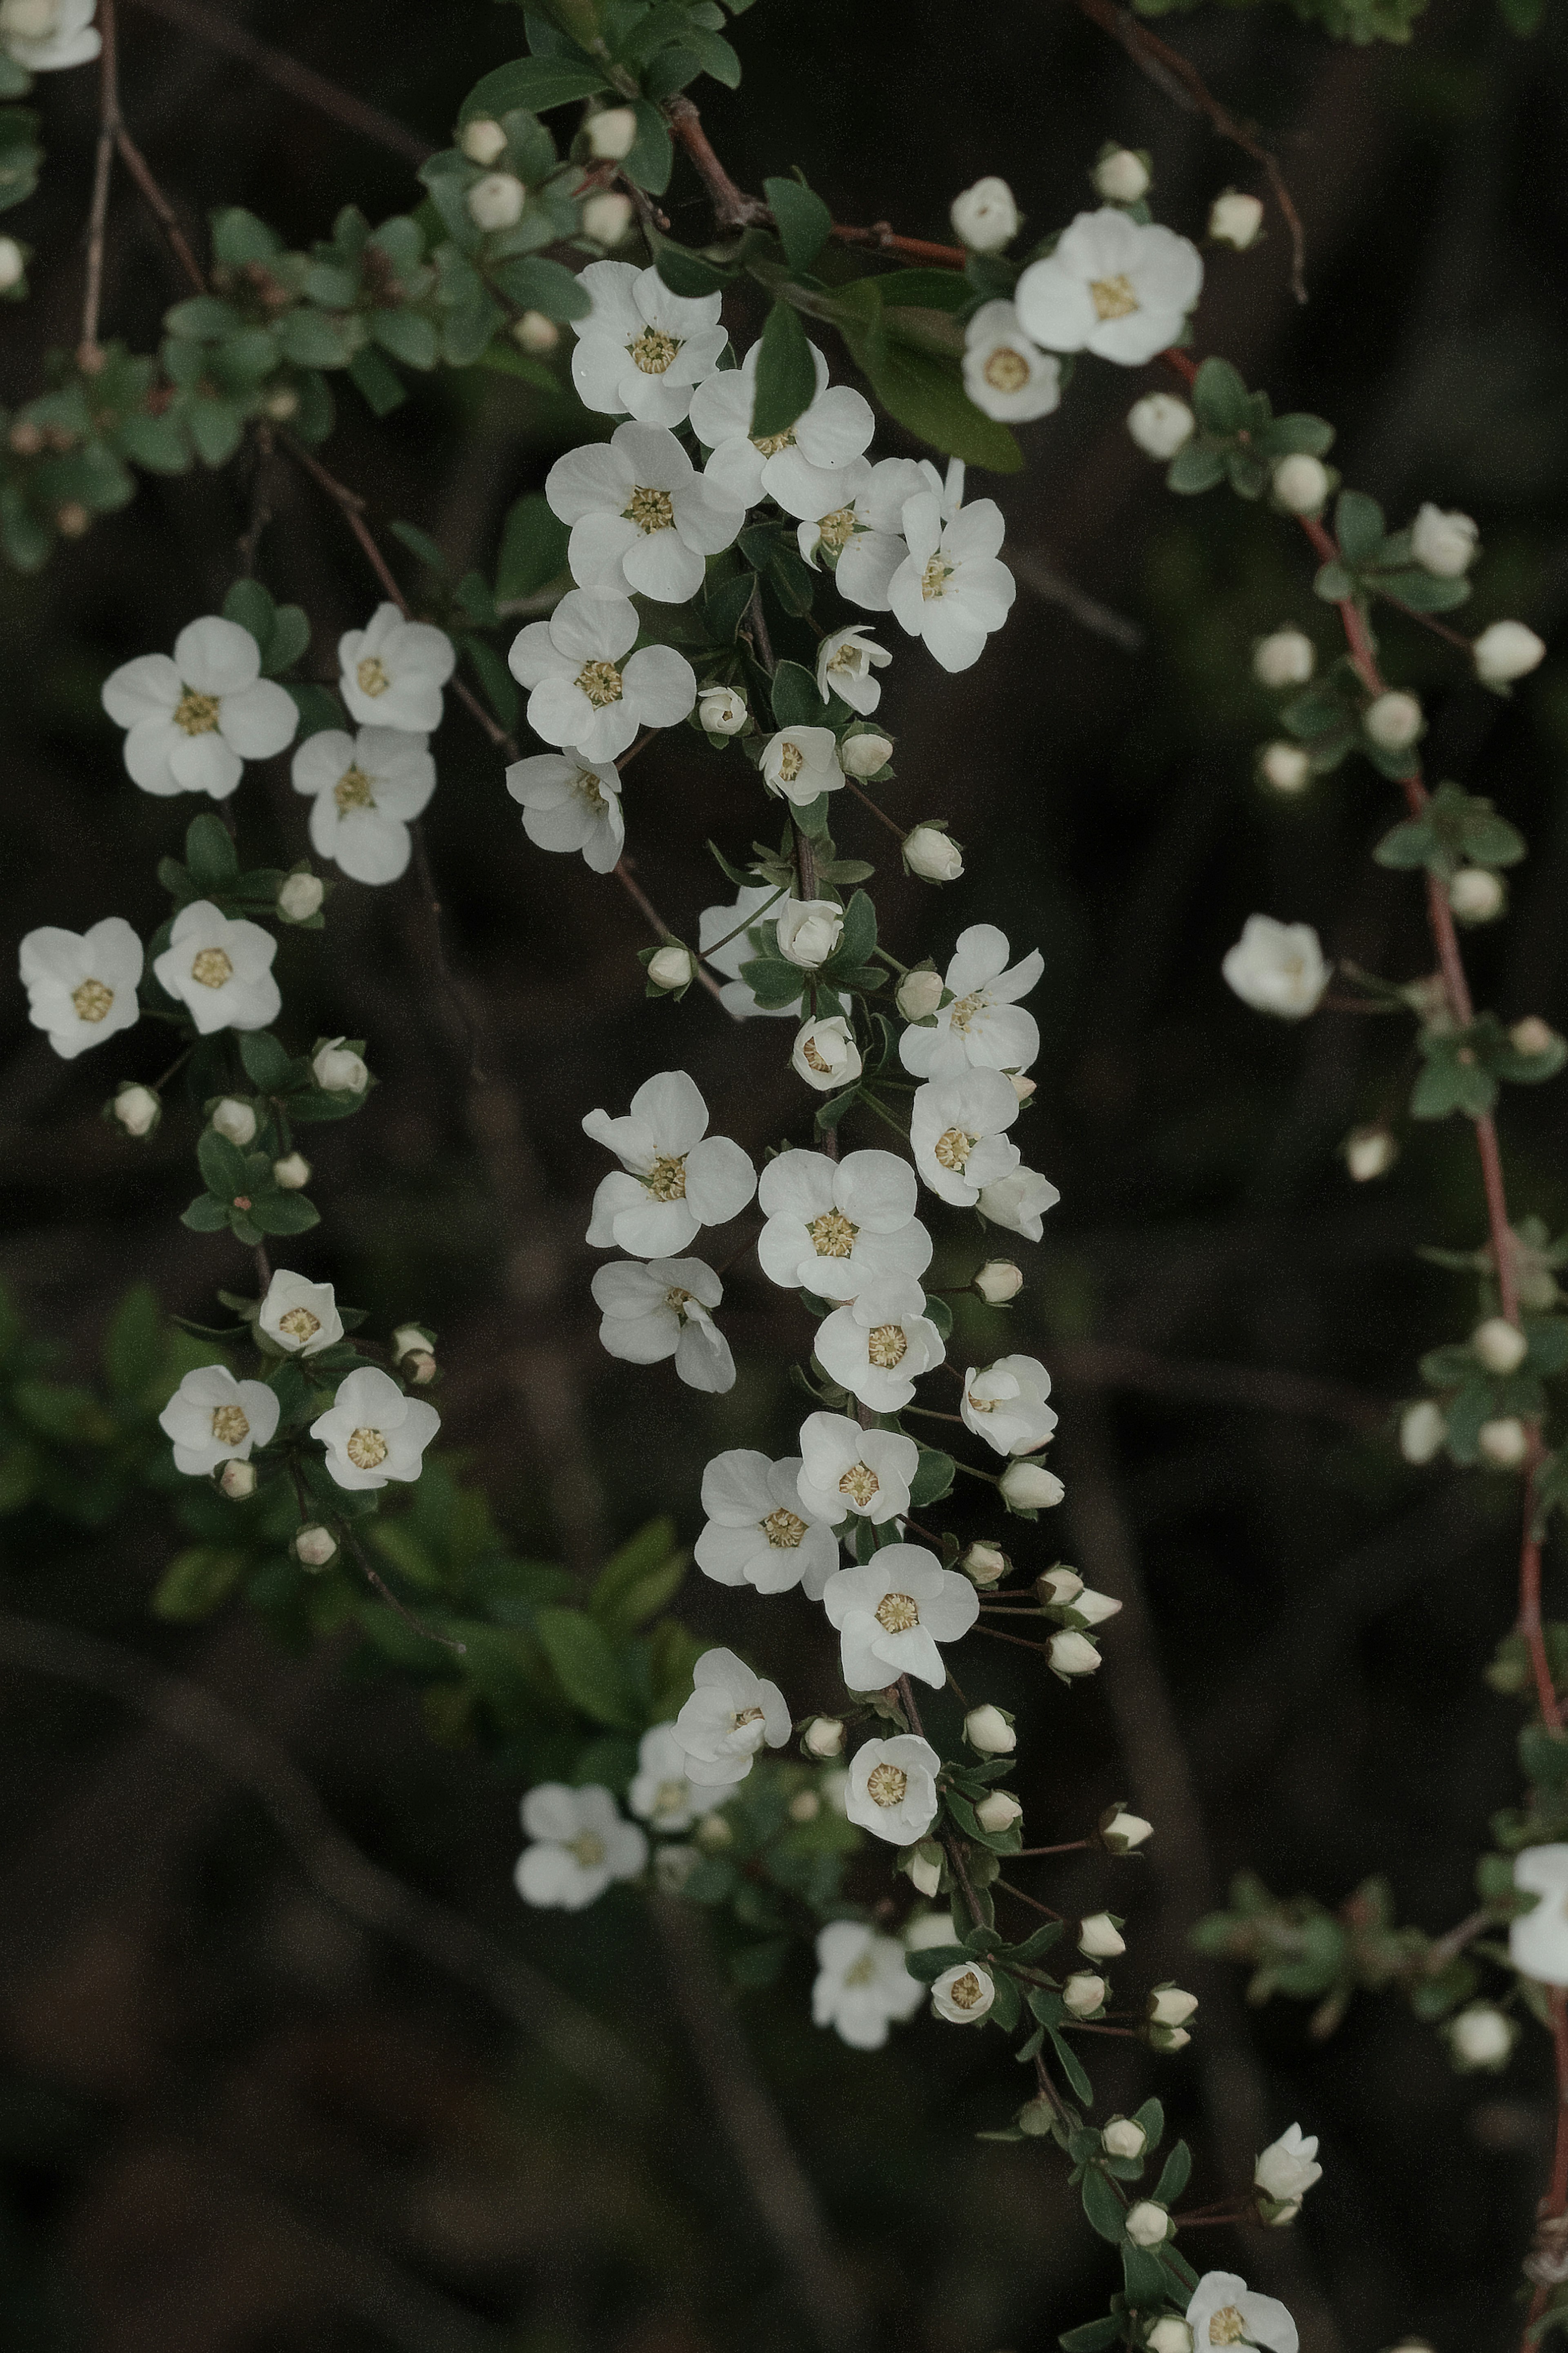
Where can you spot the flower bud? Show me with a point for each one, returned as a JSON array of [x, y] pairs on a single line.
[[496, 201], [314, 1546], [808, 930], [420, 1368], [1501, 1345], [1170, 2335], [1504, 1442], [1169, 2006], [999, 1280], [1166, 2038], [237, 1480], [672, 1867], [1058, 1588], [1099, 1938], [483, 141], [1148, 2225], [984, 217], [989, 1730], [234, 1119], [1073, 1654], [1393, 722], [918, 993], [672, 966], [1370, 1152], [963, 1995], [1122, 2137], [1423, 1431], [1443, 544], [291, 1172], [536, 332], [1532, 1036], [924, 1868], [933, 855], [612, 134], [823, 1737], [12, 263], [1285, 658], [1035, 2120], [722, 710], [713, 1832], [864, 753], [73, 519], [1161, 425], [338, 1070], [1022, 1087], [1506, 651], [805, 1806], [1301, 483], [999, 1810], [406, 1340], [1030, 1487], [826, 1055], [1121, 1832], [1084, 1993], [138, 1110], [1480, 2036], [1122, 177], [985, 1564], [607, 217], [1096, 1607], [1236, 220], [299, 897], [1284, 768], [1476, 894]]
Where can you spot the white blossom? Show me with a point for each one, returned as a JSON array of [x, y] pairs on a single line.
[[1005, 1404], [823, 1737], [998, 1280], [1393, 721], [1084, 1992], [236, 1121], [392, 672], [1284, 658], [1029, 1487], [643, 520], [1443, 544], [950, 589], [585, 692], [483, 141], [1277, 967], [1172, 2006], [931, 852], [799, 470], [846, 664], [338, 1069], [293, 1172], [862, 753], [1532, 1036], [808, 930], [957, 1133], [1506, 651], [1006, 375], [731, 1714], [963, 1994], [213, 1419], [672, 966], [1000, 1810], [1501, 1345], [723, 711], [299, 1315], [372, 1432], [661, 1793], [1148, 2224], [824, 1054], [918, 993], [987, 1729], [1423, 1431], [1170, 2335], [799, 763], [1119, 288], [497, 201], [580, 1845], [1161, 425], [1284, 768], [81, 985], [1100, 1938], [313, 1545], [1286, 2168], [612, 134], [1236, 220], [1225, 2312], [662, 1309], [674, 1178], [1370, 1152], [880, 1342], [570, 803], [299, 897], [1538, 1940], [194, 722], [642, 351], [43, 36], [1476, 894], [892, 1788], [984, 1026], [985, 216], [606, 217], [1301, 483], [1123, 2136], [363, 789], [220, 968], [845, 1469], [891, 1612], [1480, 2036], [861, 1984], [715, 924], [1072, 1653], [985, 1564], [868, 532], [835, 1225], [760, 1532]]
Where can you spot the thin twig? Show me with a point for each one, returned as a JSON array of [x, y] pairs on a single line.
[[373, 1577], [158, 205], [90, 355]]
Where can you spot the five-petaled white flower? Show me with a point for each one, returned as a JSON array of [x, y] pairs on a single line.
[[731, 1712], [364, 789], [845, 1469], [892, 1788], [662, 1309], [585, 693], [799, 470], [1538, 1941], [836, 1225], [892, 1611], [220, 968], [871, 538], [799, 763], [726, 954], [1119, 288], [950, 589], [42, 36], [213, 1419], [963, 1995], [1226, 2313], [194, 722], [1018, 1202], [81, 985], [878, 1344], [1277, 968], [1005, 1404], [301, 1316], [675, 1177], [1006, 375], [956, 1134], [661, 1793], [580, 1845], [861, 1984], [643, 519], [758, 1531], [984, 1025], [1287, 2168], [569, 803], [372, 1432], [642, 350], [392, 672], [846, 664]]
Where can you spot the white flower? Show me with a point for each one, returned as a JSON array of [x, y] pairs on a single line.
[[392, 673], [642, 350], [213, 1419], [1161, 424], [801, 469], [1393, 722], [1072, 1654], [672, 966], [836, 1225], [580, 1845], [1286, 2168], [918, 993], [950, 589], [861, 755], [985, 1564], [1480, 2035], [1443, 544], [846, 666], [984, 1026], [985, 216], [313, 1545], [1005, 375], [570, 803], [194, 722], [496, 201], [300, 1316], [932, 854], [1171, 2006], [42, 36], [823, 1737], [1370, 1152], [999, 1811], [861, 1984], [366, 788], [999, 1280], [759, 1531], [879, 1344], [220, 968], [612, 134], [808, 930], [845, 1469], [675, 1178], [1084, 1992], [291, 1172], [956, 1133], [824, 1054], [1170, 2335], [867, 532], [643, 520], [988, 1730], [584, 691], [891, 1612], [659, 1309], [1284, 768], [338, 1069], [1119, 288], [1538, 1941], [1301, 483], [1148, 2224], [799, 763], [1506, 651], [891, 1790], [1285, 658], [372, 1432], [1018, 1202], [1225, 2312], [731, 1712], [483, 141], [607, 215], [1423, 1431], [81, 985], [963, 1994], [1236, 220], [1123, 2137], [723, 711], [1476, 894], [1122, 177], [1501, 1345], [236, 1121], [717, 923], [661, 1792], [1005, 1404], [1100, 1938], [1277, 967], [299, 897]]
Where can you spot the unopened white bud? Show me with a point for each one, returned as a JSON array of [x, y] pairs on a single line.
[[1505, 1441], [1476, 896], [1301, 483], [1121, 1832], [1148, 2225], [338, 1070], [496, 201], [1161, 425], [998, 1280], [1370, 1152], [237, 1480], [985, 217], [483, 141], [1096, 1606], [607, 217], [291, 1172], [1022, 1087], [1506, 651], [826, 1056], [1171, 2007], [1170, 2335], [1501, 1345], [1122, 177], [1480, 2036], [406, 1341], [713, 1832], [723, 711], [918, 993], [1443, 544], [299, 897], [612, 134], [1122, 2137], [671, 967], [1284, 768], [1284, 658], [1236, 220], [863, 755], [1000, 1810], [1030, 1487], [234, 1119], [314, 1546], [823, 1737], [987, 1729], [1073, 1654], [1393, 722], [1423, 1431], [1166, 2038], [805, 1806], [924, 1868], [985, 1564], [1083, 1993], [1058, 1588], [1532, 1036], [13, 263], [1100, 1938], [933, 855], [420, 1368], [138, 1110], [536, 332]]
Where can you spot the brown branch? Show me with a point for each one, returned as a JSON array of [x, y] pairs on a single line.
[[158, 205], [89, 355]]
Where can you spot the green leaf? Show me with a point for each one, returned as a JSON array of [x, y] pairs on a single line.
[[718, 57], [1194, 469], [204, 1216], [534, 283], [1174, 2179], [1093, 2336], [687, 273], [1067, 2060], [408, 335], [796, 700], [923, 290], [222, 1163], [1220, 398], [933, 1477], [1105, 2210], [1151, 2117], [1145, 2277], [1359, 527], [195, 1583], [802, 218], [652, 156], [420, 543], [290, 638], [787, 373], [537, 83], [134, 1344], [284, 1213], [237, 237], [920, 389], [587, 1667], [533, 549], [209, 853]]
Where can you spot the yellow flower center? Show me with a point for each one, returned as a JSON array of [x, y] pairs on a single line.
[[588, 1849], [365, 1449], [982, 1405], [965, 1991], [91, 1000], [792, 760], [212, 967], [650, 509], [230, 1425], [1006, 370], [601, 683], [887, 1345], [372, 676], [832, 1234], [968, 1009], [300, 1325], [1226, 2326], [954, 1148], [744, 1715], [861, 1972], [859, 1482], [850, 661], [665, 1180], [353, 788], [810, 1054], [585, 784], [768, 445], [677, 1298], [837, 530], [670, 1798], [935, 577], [653, 350], [783, 1530], [886, 1784], [197, 714], [1114, 297], [897, 1613]]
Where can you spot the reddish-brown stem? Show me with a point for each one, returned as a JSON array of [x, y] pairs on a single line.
[[1069, 1846], [1555, 2203], [1032, 1901], [897, 830], [917, 248], [160, 207], [88, 353], [1017, 1641]]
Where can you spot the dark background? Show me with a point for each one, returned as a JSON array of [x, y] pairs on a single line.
[[231, 2118]]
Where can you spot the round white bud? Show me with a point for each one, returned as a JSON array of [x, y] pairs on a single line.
[[722, 710], [1099, 1938], [293, 1172], [924, 1868], [280, 403], [12, 264], [1171, 2007], [420, 1368], [985, 1564], [1161, 424], [1000, 1810], [607, 217], [1504, 1441], [1284, 658], [338, 1070], [1506, 651], [496, 201], [998, 1280], [1236, 220], [313, 1545], [1443, 544], [234, 1119], [534, 332], [299, 897], [1096, 1607], [483, 141], [823, 1737], [1501, 1345], [1022, 1087], [138, 1110], [987, 1729], [1423, 1431], [407, 1341], [863, 755], [672, 966], [1284, 768], [1122, 2137], [1073, 1654], [1476, 894], [1393, 722], [1166, 2038], [1030, 1487], [1301, 483], [1121, 1832], [1532, 1036], [933, 855], [613, 134], [1056, 1588], [918, 993], [237, 1480], [805, 1806], [1148, 2225], [1122, 177], [1170, 2335], [713, 1832], [984, 217], [1370, 1152], [1083, 1993], [1480, 2035]]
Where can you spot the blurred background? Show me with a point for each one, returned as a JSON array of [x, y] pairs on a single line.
[[234, 2119]]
